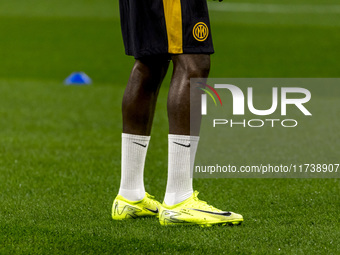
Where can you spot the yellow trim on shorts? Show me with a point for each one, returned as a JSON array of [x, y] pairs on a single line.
[[173, 21]]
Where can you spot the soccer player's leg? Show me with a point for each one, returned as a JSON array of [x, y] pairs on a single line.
[[181, 205], [139, 103]]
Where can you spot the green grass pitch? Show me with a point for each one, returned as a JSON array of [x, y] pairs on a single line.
[[60, 145]]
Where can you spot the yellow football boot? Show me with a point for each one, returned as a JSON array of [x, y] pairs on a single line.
[[194, 211], [124, 209]]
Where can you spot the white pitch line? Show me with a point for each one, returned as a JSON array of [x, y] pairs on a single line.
[[274, 8]]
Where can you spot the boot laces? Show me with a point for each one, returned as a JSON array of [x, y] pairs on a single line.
[[204, 204]]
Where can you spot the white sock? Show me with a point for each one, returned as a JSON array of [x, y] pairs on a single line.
[[134, 148], [179, 185]]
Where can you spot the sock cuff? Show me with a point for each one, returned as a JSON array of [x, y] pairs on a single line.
[[136, 137], [184, 137]]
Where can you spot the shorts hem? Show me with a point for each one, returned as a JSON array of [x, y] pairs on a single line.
[[147, 53]]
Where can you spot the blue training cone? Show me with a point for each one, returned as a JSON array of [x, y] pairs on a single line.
[[78, 78]]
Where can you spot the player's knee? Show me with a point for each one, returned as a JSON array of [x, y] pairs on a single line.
[[195, 66], [141, 70], [200, 70], [203, 66], [151, 69]]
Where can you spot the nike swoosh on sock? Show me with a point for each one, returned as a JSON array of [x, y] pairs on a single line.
[[143, 145], [184, 145]]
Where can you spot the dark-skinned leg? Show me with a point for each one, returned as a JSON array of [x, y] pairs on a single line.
[[139, 103], [141, 94], [182, 142], [186, 66]]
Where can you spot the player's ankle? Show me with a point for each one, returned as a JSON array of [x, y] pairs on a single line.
[[171, 199], [132, 195]]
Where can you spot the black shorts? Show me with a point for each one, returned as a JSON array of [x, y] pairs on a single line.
[[152, 27]]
